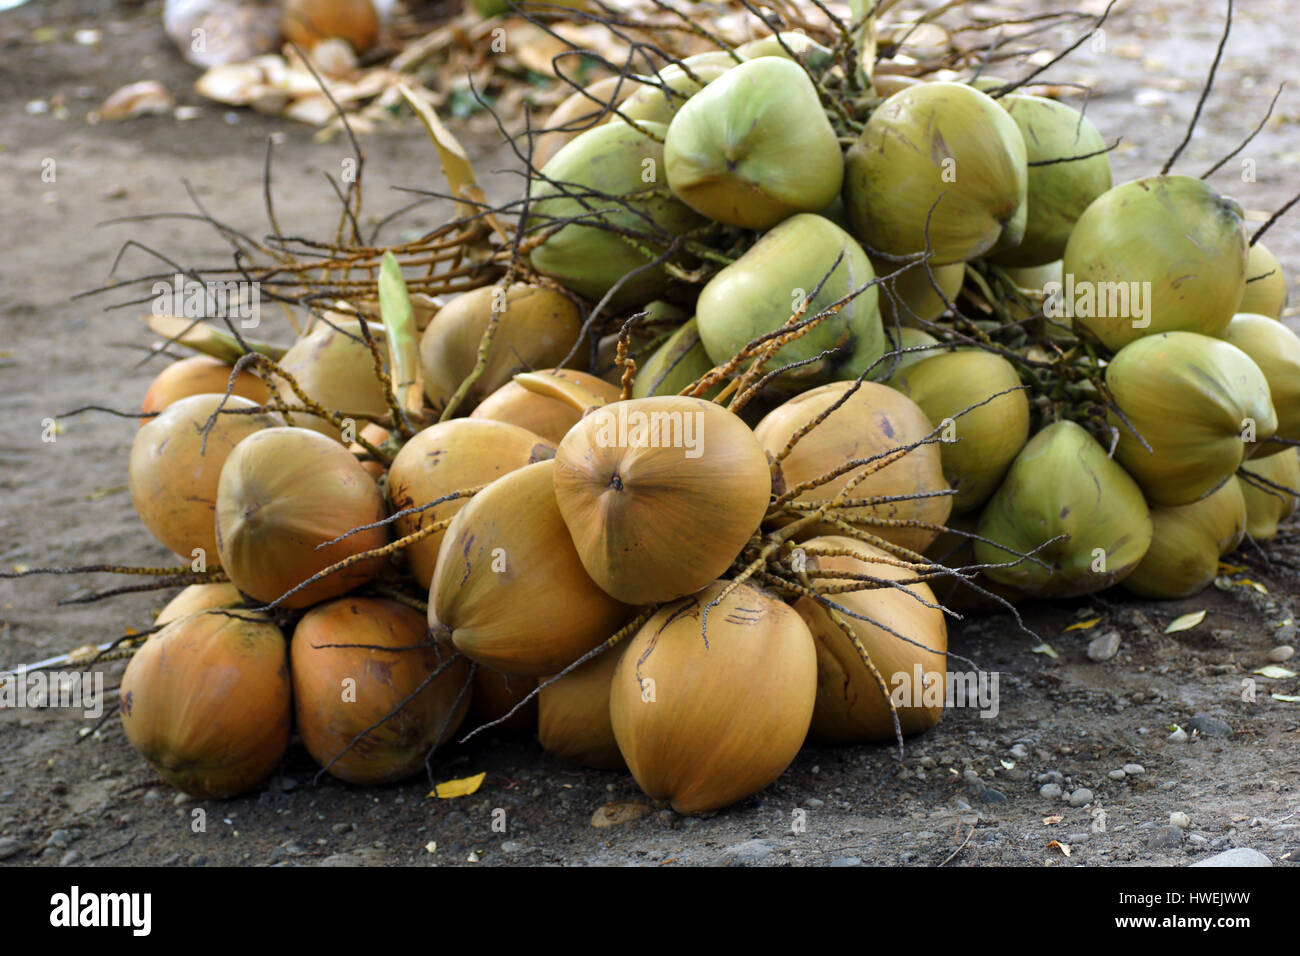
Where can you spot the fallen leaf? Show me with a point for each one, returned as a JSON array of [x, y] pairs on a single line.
[[134, 99], [431, 846], [1226, 568], [1047, 649], [1186, 622], [1007, 764], [1084, 625], [1247, 582], [1063, 847], [612, 814], [1054, 818], [1275, 672], [1286, 698], [458, 788]]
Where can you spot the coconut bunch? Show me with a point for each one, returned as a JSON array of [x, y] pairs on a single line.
[[684, 456]]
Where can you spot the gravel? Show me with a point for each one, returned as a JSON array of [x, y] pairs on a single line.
[[749, 853], [1281, 654], [1237, 856], [1208, 726], [8, 847], [1081, 797], [1134, 769], [1180, 820], [1104, 647], [1050, 791]]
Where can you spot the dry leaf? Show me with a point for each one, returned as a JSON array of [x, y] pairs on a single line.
[[1275, 672], [1084, 625], [134, 99], [612, 814], [1186, 622], [1054, 818], [1286, 698], [1063, 847], [458, 788], [1047, 649]]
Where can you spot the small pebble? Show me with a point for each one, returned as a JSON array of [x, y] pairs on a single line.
[[989, 795], [1117, 775], [71, 858], [152, 796], [1280, 655], [1285, 634], [181, 799], [1081, 797], [1197, 839], [1179, 736], [1180, 820], [1050, 791], [198, 859], [1134, 769], [288, 784], [813, 803], [1208, 726], [1163, 837], [343, 827], [7, 795], [294, 848], [926, 763], [511, 846], [8, 847], [1105, 647], [970, 776], [1083, 837], [1020, 752], [1051, 776], [59, 838], [847, 861]]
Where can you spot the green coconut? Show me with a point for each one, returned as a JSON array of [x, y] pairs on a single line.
[[658, 98], [1266, 291], [1199, 403], [677, 363], [1187, 542], [1162, 254], [910, 297], [754, 147], [797, 46], [761, 290], [1062, 483], [1276, 350], [955, 548], [1271, 489], [1059, 192], [536, 328], [944, 146], [901, 341], [618, 161], [980, 444]]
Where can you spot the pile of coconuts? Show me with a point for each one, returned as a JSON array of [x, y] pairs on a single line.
[[793, 363]]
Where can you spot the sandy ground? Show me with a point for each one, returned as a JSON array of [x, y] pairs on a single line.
[[969, 793]]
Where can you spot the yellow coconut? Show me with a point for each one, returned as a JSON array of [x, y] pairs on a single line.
[[1271, 489], [1266, 292], [547, 417], [452, 456], [903, 631], [333, 364], [1276, 350], [660, 494], [573, 714], [536, 328], [871, 422], [705, 718], [509, 590], [174, 472], [198, 597]]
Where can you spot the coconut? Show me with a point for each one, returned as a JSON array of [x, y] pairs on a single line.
[[754, 147], [903, 631], [1199, 403], [173, 476], [656, 320], [1276, 350], [497, 694], [1187, 542], [1062, 483], [1271, 490], [378, 436], [940, 146], [196, 598], [659, 97], [901, 341], [580, 111], [1266, 292], [679, 692], [307, 22], [335, 367], [790, 45], [536, 328], [618, 239], [448, 457], [1059, 191], [284, 493], [873, 421], [910, 298], [760, 292], [547, 417], [383, 686], [573, 714], [660, 494], [198, 375], [206, 701], [1162, 254], [979, 444], [509, 589], [678, 362], [955, 548]]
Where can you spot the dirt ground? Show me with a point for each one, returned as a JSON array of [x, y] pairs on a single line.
[[970, 792]]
